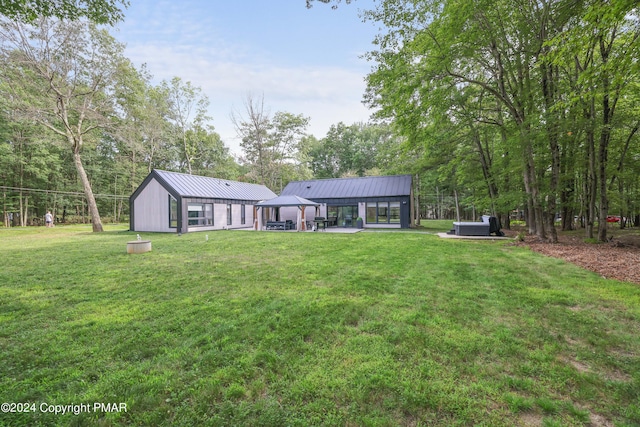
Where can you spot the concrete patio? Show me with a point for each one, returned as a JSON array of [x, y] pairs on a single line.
[[337, 230], [453, 236]]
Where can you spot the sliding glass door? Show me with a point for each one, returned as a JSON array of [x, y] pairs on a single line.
[[342, 216]]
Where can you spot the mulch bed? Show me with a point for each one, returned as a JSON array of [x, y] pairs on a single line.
[[618, 259]]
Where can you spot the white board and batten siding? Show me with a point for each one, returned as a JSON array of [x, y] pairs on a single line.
[[220, 216], [152, 209], [150, 202]]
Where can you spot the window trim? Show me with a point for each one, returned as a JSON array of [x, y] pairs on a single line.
[[172, 199], [388, 206], [200, 218]]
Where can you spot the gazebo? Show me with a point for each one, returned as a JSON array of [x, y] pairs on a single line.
[[282, 201]]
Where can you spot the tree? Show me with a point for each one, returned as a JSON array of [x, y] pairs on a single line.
[[349, 150], [271, 145], [210, 156], [60, 74], [98, 11], [253, 129], [334, 5], [187, 110], [525, 69], [142, 131]]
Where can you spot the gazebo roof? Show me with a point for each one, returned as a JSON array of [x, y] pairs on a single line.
[[286, 201]]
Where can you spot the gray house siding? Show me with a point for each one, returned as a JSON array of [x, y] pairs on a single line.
[[393, 190], [149, 206], [150, 215], [150, 209], [220, 217]]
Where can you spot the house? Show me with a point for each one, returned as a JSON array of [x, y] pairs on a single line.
[[178, 203], [381, 201]]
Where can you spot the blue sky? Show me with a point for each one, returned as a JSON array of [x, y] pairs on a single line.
[[304, 61]]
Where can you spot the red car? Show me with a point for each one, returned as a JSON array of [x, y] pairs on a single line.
[[613, 218]]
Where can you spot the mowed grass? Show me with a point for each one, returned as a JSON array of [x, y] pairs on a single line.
[[300, 329]]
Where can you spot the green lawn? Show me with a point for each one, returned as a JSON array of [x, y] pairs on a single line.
[[299, 329]]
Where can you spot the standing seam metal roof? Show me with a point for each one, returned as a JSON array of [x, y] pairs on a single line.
[[287, 201], [214, 188], [342, 188]]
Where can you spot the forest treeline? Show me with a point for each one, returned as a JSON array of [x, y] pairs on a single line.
[[534, 101], [494, 107], [81, 126]]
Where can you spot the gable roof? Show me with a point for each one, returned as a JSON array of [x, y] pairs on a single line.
[[339, 188], [186, 185], [287, 201]]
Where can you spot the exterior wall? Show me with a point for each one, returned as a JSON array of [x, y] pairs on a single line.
[[289, 212], [236, 213], [405, 211], [152, 209], [310, 213], [220, 215], [365, 225], [293, 213]]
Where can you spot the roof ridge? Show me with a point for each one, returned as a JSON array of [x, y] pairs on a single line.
[[352, 177], [209, 177]]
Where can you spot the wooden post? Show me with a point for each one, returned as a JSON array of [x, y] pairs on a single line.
[[255, 218], [303, 226]]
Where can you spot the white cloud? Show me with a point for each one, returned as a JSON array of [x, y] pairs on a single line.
[[226, 74]]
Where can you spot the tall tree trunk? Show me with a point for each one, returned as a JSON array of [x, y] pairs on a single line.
[[5, 214], [591, 184], [485, 162], [568, 183], [96, 222], [603, 148], [25, 216], [535, 219], [549, 95], [187, 157], [416, 202]]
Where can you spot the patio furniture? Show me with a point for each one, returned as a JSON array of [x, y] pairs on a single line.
[[281, 225], [320, 221]]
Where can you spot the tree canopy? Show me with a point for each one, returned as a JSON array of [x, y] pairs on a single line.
[[511, 88], [98, 11], [525, 110], [334, 3]]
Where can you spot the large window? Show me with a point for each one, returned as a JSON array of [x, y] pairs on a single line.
[[383, 213], [200, 214], [372, 213], [394, 212], [173, 212], [342, 216]]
